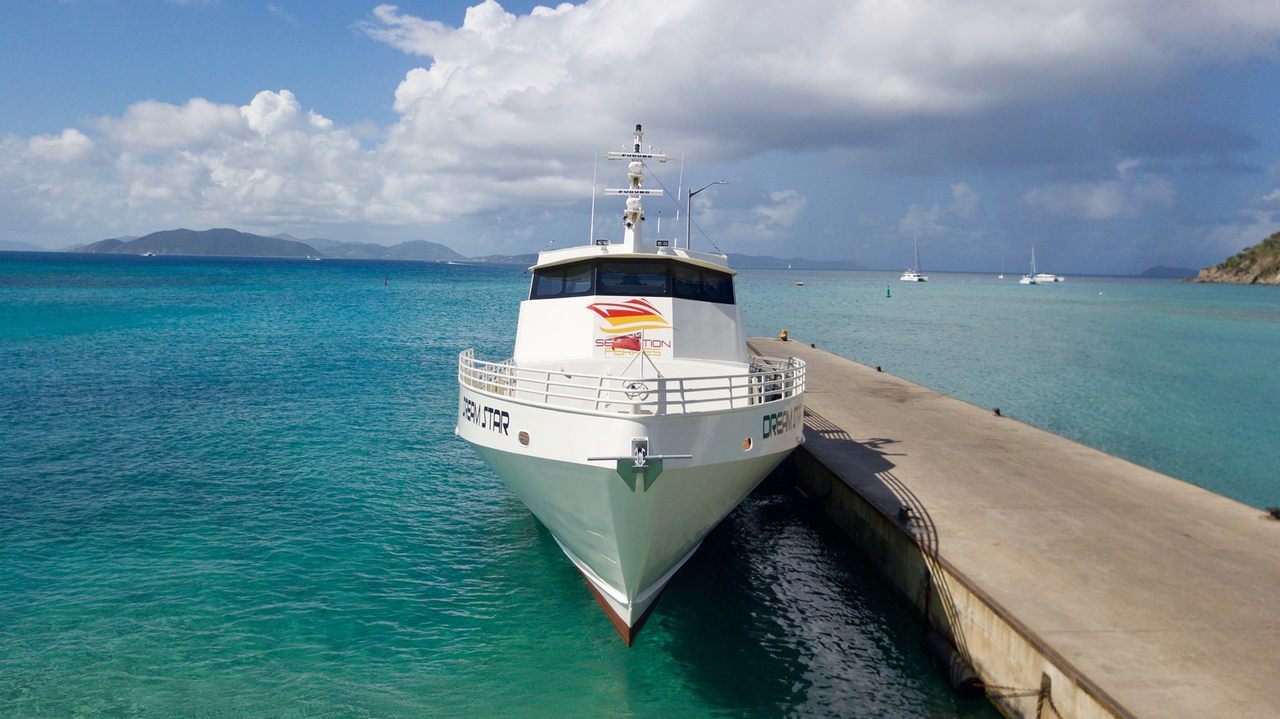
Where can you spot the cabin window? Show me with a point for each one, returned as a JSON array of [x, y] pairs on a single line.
[[572, 280], [687, 281], [699, 283], [642, 278], [633, 277]]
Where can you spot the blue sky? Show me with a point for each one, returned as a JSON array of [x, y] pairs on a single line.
[[1115, 136]]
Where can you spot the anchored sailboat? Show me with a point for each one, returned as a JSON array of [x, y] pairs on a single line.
[[1037, 278], [914, 274]]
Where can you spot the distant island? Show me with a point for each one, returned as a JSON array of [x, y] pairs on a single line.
[[225, 242], [1257, 265], [203, 243], [15, 246], [1160, 272]]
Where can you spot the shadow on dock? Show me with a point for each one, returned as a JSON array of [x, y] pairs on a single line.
[[896, 532]]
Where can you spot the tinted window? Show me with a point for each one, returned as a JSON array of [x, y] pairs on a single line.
[[562, 281], [717, 286], [640, 278], [697, 283], [577, 279], [688, 282]]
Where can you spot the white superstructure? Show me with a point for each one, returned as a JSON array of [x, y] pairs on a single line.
[[631, 418]]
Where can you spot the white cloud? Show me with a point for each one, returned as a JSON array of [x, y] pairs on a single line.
[[1101, 200], [942, 219], [964, 201], [281, 13], [70, 146], [782, 209], [1222, 241], [777, 71], [919, 221], [1131, 194], [754, 228], [270, 111], [151, 126], [507, 108]]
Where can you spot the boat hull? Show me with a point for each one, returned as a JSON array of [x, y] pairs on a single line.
[[628, 530]]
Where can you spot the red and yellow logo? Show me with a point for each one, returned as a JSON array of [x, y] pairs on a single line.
[[629, 316]]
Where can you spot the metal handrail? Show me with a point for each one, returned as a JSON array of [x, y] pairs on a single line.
[[769, 380]]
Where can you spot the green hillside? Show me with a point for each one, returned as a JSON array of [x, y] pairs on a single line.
[[1257, 265]]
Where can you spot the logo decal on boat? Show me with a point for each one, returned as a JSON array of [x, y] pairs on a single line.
[[494, 419], [624, 342], [782, 422], [629, 316]]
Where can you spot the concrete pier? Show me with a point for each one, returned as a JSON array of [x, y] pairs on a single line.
[[1076, 583]]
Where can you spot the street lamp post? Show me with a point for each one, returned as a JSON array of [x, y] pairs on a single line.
[[688, 212]]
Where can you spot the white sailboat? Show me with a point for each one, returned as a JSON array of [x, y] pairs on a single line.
[[631, 418], [913, 274], [1030, 279], [1038, 278]]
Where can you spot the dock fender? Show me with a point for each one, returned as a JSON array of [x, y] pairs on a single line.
[[952, 665]]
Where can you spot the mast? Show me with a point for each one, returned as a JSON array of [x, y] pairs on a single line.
[[591, 228], [679, 194], [633, 216]]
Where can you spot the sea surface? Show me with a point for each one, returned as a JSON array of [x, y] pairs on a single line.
[[231, 488], [1180, 377]]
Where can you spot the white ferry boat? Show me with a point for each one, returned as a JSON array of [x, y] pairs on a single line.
[[631, 418]]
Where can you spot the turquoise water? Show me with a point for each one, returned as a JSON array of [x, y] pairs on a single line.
[[231, 488], [1179, 377]]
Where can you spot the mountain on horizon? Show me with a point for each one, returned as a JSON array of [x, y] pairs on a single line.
[[18, 246], [234, 243], [218, 242], [420, 250]]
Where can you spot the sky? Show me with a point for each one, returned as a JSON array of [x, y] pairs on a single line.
[[1112, 136]]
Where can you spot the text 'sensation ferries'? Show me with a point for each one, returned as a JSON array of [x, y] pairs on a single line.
[[631, 418]]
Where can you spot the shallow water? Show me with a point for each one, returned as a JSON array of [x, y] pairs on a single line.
[[1175, 376]]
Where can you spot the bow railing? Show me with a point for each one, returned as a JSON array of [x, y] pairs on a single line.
[[767, 380]]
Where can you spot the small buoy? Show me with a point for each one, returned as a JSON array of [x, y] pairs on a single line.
[[783, 334], [886, 291]]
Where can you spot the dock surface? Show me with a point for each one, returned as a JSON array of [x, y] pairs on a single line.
[[1162, 596]]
